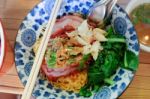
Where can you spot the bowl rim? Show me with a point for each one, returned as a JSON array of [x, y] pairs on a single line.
[[133, 4], [2, 37]]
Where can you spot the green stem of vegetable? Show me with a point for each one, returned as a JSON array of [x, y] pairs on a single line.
[[96, 88], [109, 81], [121, 40], [125, 60]]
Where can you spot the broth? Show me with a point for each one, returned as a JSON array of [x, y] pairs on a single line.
[[140, 17]]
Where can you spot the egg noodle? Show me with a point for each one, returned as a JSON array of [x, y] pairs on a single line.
[[72, 82]]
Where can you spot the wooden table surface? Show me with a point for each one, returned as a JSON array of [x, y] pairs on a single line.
[[12, 13]]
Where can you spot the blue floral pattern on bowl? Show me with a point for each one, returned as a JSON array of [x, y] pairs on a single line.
[[31, 29], [104, 93], [28, 37]]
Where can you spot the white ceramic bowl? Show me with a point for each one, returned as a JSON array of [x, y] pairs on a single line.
[[130, 7], [2, 44]]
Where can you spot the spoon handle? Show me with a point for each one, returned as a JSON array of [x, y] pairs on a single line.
[[110, 6], [102, 2]]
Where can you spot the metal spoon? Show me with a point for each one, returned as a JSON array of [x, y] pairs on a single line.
[[101, 10]]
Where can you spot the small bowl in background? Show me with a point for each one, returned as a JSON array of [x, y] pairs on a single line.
[[129, 8]]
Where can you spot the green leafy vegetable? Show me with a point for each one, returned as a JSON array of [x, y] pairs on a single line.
[[104, 67], [85, 92], [110, 63], [131, 61], [114, 55]]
